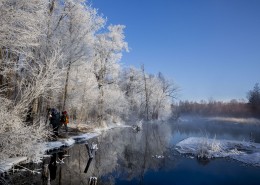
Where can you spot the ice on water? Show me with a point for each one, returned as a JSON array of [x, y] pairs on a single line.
[[85, 137], [202, 147]]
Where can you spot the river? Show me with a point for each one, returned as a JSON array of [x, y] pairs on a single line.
[[148, 157]]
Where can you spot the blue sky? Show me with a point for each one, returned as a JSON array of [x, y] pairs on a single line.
[[209, 48]]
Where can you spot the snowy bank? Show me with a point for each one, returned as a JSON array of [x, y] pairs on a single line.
[[96, 132], [78, 139], [52, 145], [85, 137], [201, 147], [7, 164]]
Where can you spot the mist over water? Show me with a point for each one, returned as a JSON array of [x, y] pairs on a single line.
[[243, 129]]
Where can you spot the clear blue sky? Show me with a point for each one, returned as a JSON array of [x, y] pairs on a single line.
[[209, 48]]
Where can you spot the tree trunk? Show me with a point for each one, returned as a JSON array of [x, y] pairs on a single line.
[[146, 96], [100, 105], [68, 69], [66, 87], [1, 63]]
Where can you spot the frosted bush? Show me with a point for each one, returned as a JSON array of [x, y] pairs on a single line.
[[208, 148], [17, 138]]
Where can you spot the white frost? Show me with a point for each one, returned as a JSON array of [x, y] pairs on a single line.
[[7, 164], [61, 143], [201, 147]]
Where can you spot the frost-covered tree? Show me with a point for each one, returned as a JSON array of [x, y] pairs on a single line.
[[79, 24], [60, 54], [17, 138], [115, 104], [163, 94], [25, 75], [21, 24], [149, 96], [83, 92], [107, 52], [131, 83]]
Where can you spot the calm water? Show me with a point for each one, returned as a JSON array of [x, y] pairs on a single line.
[[126, 157]]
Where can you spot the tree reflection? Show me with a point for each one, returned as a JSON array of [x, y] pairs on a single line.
[[126, 155], [88, 164], [122, 154], [53, 167]]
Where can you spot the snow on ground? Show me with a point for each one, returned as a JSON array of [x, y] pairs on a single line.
[[85, 137], [58, 144], [96, 132], [80, 138], [53, 145], [7, 164], [201, 147]]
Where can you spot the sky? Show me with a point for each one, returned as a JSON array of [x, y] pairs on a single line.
[[209, 48]]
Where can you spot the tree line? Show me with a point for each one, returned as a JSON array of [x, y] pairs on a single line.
[[62, 54], [237, 108]]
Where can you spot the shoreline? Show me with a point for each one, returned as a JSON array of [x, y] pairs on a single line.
[[71, 138]]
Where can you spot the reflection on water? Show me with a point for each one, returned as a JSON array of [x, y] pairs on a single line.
[[88, 164], [52, 167], [148, 157]]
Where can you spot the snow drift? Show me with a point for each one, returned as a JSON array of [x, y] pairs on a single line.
[[246, 152]]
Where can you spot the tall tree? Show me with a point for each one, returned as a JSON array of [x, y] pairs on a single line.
[[27, 74], [20, 32], [80, 25], [107, 53], [150, 97]]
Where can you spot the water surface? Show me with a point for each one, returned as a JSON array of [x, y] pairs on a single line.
[[125, 156]]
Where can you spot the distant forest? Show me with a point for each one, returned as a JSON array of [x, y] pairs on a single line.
[[236, 108]]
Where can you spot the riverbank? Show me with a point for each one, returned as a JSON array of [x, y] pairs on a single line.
[[75, 134]]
